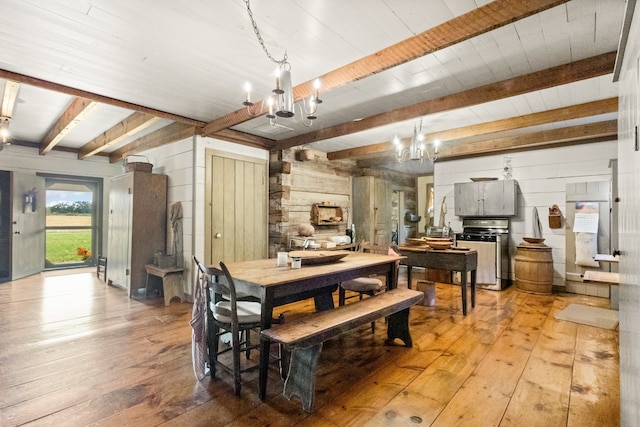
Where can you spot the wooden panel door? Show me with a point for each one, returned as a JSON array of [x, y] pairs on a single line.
[[236, 201], [27, 225], [382, 213], [5, 226]]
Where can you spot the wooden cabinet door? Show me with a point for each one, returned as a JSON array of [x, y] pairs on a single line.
[[120, 216], [466, 203], [491, 202], [382, 213]]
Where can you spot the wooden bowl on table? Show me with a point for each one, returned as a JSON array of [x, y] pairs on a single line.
[[439, 243], [415, 241]]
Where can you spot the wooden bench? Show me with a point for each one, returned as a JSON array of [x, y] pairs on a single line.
[[171, 281], [304, 337], [606, 278]]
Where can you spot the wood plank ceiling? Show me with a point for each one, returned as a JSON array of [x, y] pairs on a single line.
[[484, 77]]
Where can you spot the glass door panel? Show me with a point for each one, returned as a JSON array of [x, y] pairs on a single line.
[[71, 223]]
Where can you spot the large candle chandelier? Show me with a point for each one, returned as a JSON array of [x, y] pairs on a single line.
[[281, 102], [417, 150]]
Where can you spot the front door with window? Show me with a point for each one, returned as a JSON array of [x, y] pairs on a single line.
[[27, 224], [72, 222]]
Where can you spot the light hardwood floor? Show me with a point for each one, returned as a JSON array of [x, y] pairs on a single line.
[[75, 352]]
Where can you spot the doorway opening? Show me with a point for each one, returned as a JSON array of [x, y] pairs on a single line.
[[5, 226], [73, 218]]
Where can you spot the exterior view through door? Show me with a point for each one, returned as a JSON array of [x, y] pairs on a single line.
[[72, 222]]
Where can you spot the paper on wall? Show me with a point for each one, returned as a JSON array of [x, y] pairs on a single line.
[[587, 217]]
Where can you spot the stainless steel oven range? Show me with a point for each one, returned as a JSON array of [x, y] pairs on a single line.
[[490, 237]]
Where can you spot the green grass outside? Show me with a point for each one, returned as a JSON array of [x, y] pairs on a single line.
[[62, 245]]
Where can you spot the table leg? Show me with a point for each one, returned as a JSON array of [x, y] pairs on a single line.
[[408, 276], [473, 288], [463, 284], [324, 301], [265, 345]]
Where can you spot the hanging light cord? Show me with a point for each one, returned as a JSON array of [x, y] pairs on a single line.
[[260, 40]]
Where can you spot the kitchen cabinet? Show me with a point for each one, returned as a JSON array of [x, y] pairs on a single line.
[[137, 228], [372, 209], [486, 198]]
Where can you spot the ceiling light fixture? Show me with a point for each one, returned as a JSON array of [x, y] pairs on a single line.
[[281, 102], [418, 150]]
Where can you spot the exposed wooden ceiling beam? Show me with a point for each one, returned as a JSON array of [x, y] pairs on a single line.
[[32, 81], [131, 125], [476, 22], [244, 139], [592, 132], [555, 76], [225, 134], [588, 109], [9, 97], [166, 135], [73, 115], [545, 138]]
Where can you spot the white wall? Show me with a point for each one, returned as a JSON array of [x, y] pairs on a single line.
[[177, 160], [629, 225], [542, 176], [421, 184], [28, 160]]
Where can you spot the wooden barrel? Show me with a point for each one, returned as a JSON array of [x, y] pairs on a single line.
[[534, 268]]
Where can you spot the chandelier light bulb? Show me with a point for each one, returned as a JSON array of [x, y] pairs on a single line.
[[316, 91], [270, 103], [278, 90], [247, 89], [4, 130]]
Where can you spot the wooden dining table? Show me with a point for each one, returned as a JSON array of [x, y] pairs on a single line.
[[275, 286]]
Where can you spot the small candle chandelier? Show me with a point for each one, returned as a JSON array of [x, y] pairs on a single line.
[[418, 149], [281, 102]]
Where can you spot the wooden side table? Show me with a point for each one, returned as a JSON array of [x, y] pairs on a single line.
[[171, 281]]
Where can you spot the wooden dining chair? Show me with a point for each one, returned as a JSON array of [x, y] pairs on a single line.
[[363, 285], [227, 315]]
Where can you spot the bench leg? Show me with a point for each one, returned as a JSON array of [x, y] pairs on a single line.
[[301, 380], [284, 354], [398, 327], [172, 287]]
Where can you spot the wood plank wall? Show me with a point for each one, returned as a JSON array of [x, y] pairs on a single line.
[[294, 185]]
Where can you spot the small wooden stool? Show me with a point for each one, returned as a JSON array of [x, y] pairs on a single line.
[[171, 281], [429, 289]]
